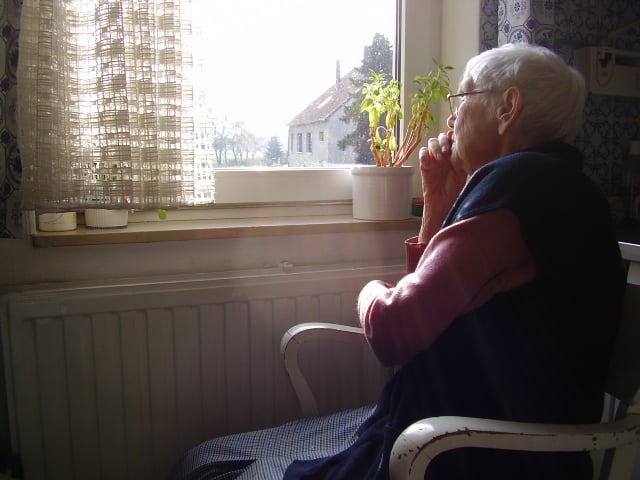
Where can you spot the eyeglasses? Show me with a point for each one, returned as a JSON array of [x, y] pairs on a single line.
[[457, 99]]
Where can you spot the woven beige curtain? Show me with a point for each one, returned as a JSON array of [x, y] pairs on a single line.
[[105, 104]]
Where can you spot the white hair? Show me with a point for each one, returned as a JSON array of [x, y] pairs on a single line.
[[554, 92]]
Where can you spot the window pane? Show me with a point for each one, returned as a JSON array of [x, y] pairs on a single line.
[[272, 75]]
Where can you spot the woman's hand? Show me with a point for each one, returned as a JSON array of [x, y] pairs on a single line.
[[442, 176], [442, 181]]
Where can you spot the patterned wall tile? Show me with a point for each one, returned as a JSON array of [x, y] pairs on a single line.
[[10, 165], [611, 121], [490, 13], [564, 25]]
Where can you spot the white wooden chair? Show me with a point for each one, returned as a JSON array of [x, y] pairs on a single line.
[[422, 441]]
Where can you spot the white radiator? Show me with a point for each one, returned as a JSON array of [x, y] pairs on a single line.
[[115, 381]]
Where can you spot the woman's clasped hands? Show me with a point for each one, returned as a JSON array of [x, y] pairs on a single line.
[[442, 180]]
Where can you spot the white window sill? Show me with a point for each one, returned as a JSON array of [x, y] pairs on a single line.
[[250, 203], [264, 221]]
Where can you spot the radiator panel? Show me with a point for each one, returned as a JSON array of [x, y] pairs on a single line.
[[117, 380]]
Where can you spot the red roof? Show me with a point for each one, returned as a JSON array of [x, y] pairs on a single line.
[[326, 104]]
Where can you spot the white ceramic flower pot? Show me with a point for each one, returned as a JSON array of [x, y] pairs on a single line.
[[104, 218], [57, 222], [382, 193]]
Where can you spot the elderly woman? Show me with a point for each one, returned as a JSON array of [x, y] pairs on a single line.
[[515, 283]]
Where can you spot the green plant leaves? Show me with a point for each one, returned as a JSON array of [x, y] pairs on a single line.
[[381, 99]]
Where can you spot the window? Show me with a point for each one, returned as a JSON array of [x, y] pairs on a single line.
[[263, 90], [321, 136], [299, 143], [309, 145], [248, 107], [422, 24]]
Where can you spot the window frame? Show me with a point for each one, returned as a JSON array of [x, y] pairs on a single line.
[[248, 192], [306, 200]]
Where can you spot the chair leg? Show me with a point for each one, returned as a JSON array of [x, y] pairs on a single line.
[[622, 462]]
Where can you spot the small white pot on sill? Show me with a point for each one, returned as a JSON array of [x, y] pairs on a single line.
[[100, 218], [382, 193], [57, 221]]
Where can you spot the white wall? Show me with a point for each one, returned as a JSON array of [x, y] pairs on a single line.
[[27, 265], [448, 31], [461, 35]]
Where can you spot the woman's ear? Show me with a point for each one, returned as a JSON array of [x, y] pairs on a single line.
[[509, 109]]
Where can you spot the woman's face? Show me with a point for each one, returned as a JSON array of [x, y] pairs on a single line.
[[475, 129]]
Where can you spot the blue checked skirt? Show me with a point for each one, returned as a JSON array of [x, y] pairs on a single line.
[[266, 454]]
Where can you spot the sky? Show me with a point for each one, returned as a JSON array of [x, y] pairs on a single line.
[[267, 60]]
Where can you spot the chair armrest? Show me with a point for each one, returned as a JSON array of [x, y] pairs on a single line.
[[290, 344], [419, 443]]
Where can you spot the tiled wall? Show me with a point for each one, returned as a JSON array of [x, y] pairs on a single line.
[[611, 122]]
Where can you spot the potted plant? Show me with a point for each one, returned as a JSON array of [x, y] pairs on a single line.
[[385, 193]]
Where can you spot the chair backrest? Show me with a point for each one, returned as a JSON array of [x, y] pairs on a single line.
[[623, 381]]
